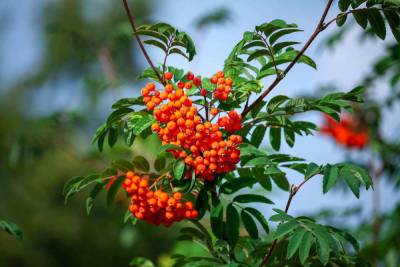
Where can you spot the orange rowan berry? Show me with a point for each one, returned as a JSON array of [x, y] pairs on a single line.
[[150, 86], [214, 111], [178, 195], [188, 85], [168, 76]]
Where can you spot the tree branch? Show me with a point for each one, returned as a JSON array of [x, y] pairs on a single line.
[[146, 55], [319, 28], [293, 191]]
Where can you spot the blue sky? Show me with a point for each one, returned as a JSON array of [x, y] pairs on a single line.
[[343, 66]]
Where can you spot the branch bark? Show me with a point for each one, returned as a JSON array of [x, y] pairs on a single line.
[[320, 27], [146, 55]]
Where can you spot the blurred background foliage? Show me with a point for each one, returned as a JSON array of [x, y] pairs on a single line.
[[41, 150]]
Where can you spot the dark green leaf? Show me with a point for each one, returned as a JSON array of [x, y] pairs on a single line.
[[259, 216], [249, 224], [232, 224], [216, 217], [11, 228], [92, 196], [275, 138], [341, 19], [361, 19], [141, 163], [250, 198], [330, 178], [258, 135], [377, 22], [274, 37], [113, 190]]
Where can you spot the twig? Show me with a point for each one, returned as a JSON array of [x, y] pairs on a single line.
[[293, 191], [146, 55], [319, 28]]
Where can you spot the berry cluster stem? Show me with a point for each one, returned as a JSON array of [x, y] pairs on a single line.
[[320, 27], [146, 55]]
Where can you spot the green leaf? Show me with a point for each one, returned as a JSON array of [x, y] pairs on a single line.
[[232, 224], [312, 169], [281, 181], [341, 19], [92, 196], [250, 198], [262, 178], [216, 217], [304, 250], [141, 163], [393, 19], [258, 161], [178, 51], [295, 242], [344, 5], [154, 34], [113, 190], [279, 46], [11, 228], [276, 102], [274, 37], [259, 216], [128, 102], [248, 36], [351, 181], [285, 228], [275, 137], [361, 19], [141, 262], [322, 244], [179, 169], [156, 44], [141, 122], [377, 22], [249, 224], [289, 136], [280, 216], [159, 163], [235, 185], [258, 53], [258, 135], [330, 177]]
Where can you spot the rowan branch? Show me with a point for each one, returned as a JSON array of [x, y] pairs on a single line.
[[293, 191], [146, 55], [320, 27]]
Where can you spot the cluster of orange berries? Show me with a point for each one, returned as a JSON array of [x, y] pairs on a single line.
[[224, 86], [156, 207], [204, 148], [348, 132]]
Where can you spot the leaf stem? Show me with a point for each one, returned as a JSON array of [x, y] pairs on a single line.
[[320, 27], [146, 55], [293, 191]]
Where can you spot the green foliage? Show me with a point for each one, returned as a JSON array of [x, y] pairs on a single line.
[[11, 228], [374, 14], [266, 52], [168, 39]]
